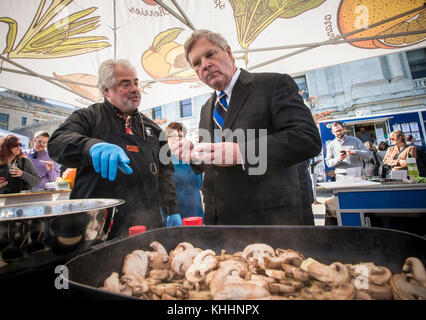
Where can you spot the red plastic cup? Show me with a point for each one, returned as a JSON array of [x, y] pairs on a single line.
[[192, 221], [136, 230]]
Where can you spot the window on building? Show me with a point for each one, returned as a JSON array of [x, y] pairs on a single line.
[[185, 108], [156, 113], [36, 121], [417, 62], [24, 121], [301, 83], [4, 121]]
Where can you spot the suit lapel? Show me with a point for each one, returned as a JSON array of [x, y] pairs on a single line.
[[240, 92], [207, 122]]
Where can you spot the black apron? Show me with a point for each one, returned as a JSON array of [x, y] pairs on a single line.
[[142, 197], [140, 189]]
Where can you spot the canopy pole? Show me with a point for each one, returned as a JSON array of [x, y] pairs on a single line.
[[184, 15], [174, 14], [115, 30], [43, 77], [331, 42]]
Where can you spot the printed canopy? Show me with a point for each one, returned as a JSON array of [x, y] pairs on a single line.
[[53, 48]]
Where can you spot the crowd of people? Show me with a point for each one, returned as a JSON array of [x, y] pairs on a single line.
[[347, 152], [231, 176]]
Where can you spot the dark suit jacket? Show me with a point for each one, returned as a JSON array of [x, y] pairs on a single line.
[[233, 197]]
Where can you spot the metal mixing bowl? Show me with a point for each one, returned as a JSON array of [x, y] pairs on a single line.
[[32, 234]]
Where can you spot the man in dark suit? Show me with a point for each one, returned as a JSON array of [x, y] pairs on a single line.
[[263, 115]]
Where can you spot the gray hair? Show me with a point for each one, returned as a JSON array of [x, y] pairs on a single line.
[[213, 37], [106, 78]]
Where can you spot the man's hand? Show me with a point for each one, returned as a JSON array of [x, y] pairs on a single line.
[[222, 154], [107, 157], [343, 155], [183, 150], [49, 165]]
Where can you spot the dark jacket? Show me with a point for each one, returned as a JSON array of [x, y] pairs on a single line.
[[149, 187], [30, 178], [233, 196]]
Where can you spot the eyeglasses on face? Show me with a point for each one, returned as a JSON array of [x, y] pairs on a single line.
[[18, 145], [41, 142]]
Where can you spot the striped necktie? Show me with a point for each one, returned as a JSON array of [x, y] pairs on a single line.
[[220, 110]]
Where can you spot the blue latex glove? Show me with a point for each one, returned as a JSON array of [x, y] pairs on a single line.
[[107, 157], [174, 220]]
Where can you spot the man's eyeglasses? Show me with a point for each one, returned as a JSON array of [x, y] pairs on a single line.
[[41, 142], [174, 136]]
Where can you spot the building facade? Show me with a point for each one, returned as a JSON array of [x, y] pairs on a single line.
[[26, 114]]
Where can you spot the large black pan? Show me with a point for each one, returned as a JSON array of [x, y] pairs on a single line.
[[327, 244]]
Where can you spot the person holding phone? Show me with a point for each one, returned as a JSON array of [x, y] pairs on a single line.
[[345, 151], [17, 172]]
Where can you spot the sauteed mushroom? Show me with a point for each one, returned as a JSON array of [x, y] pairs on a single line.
[[258, 272]]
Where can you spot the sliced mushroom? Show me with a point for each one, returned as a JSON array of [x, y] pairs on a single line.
[[362, 295], [231, 272], [336, 273], [295, 272], [375, 291], [241, 291], [136, 263], [380, 275], [161, 274], [158, 247], [112, 284], [402, 289], [415, 269], [276, 274], [158, 261], [182, 261], [183, 246], [136, 283], [285, 286], [255, 253], [200, 295], [345, 291], [202, 263], [172, 289], [289, 256]]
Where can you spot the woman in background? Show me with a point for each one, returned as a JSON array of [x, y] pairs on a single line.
[[396, 155], [382, 147], [17, 172], [371, 166], [186, 181]]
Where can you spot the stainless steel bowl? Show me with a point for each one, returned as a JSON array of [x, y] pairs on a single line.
[[32, 233]]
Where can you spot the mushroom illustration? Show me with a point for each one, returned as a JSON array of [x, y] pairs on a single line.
[[414, 269]]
